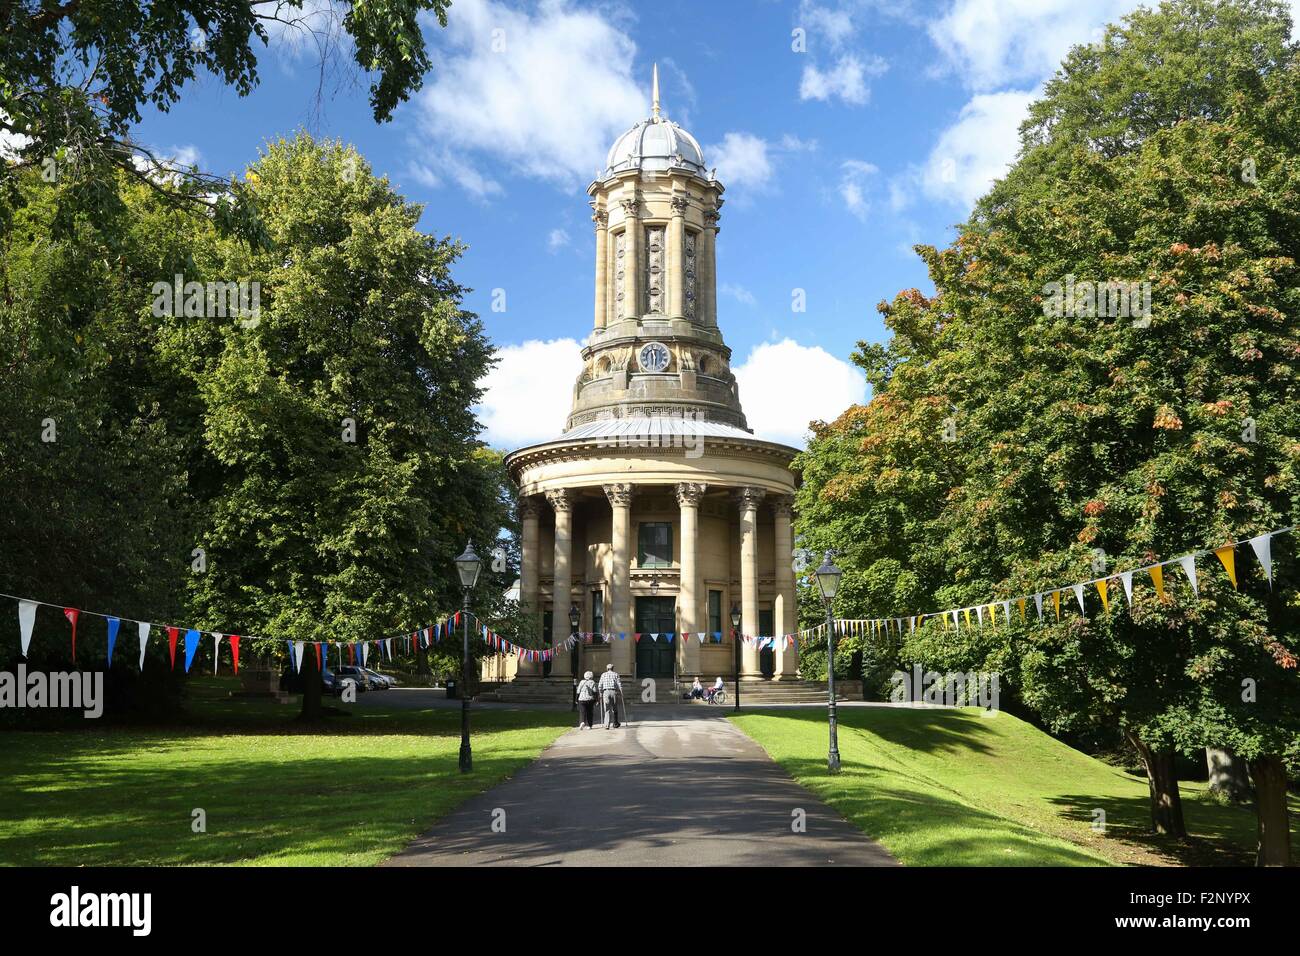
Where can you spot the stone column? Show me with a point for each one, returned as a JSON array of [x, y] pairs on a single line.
[[748, 499], [677, 259], [632, 267], [562, 589], [619, 616], [529, 573], [784, 611], [688, 595], [601, 218], [708, 286]]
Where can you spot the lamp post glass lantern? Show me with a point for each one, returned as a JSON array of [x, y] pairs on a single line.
[[828, 581], [735, 640], [468, 566]]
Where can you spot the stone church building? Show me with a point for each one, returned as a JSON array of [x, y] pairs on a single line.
[[656, 510]]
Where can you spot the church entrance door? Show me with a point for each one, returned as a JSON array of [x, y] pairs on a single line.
[[656, 615]]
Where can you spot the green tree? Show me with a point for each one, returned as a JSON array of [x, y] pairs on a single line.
[[1083, 438], [74, 77], [337, 451]]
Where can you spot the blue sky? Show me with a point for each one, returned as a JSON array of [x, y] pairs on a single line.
[[837, 158]]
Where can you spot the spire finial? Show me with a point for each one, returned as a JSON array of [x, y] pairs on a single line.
[[655, 93]]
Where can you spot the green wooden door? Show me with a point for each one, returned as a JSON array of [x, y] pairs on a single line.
[[656, 615]]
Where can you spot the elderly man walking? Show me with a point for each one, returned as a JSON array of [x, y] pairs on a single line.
[[611, 689]]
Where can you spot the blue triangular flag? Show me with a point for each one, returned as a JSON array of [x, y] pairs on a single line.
[[113, 624], [191, 645]]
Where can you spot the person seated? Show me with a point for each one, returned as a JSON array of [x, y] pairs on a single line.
[[712, 692], [697, 690]]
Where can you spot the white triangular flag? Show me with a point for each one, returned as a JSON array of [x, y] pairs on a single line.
[[144, 639], [1006, 610], [1189, 568], [216, 649], [979, 610], [1078, 593], [956, 624], [1038, 602], [26, 618], [1127, 578], [365, 653], [1263, 547], [297, 655]]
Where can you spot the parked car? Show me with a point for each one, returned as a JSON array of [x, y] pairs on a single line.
[[334, 684], [358, 676], [384, 680]]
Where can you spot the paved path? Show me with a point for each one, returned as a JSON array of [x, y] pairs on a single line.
[[680, 787]]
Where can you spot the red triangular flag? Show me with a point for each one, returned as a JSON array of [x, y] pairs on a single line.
[[234, 649], [171, 643], [71, 613], [319, 666]]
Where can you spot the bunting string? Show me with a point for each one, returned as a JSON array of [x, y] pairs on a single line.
[[999, 610]]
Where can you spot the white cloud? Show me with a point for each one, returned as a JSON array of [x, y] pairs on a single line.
[[529, 392], [998, 43], [738, 292], [557, 240], [747, 161], [742, 160], [977, 149], [970, 154], [785, 385], [544, 90], [847, 80], [853, 176]]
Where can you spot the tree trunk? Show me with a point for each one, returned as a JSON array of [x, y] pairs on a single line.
[[311, 686], [1162, 778], [421, 661], [1270, 808], [1228, 774]]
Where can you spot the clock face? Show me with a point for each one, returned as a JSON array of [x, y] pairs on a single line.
[[654, 357]]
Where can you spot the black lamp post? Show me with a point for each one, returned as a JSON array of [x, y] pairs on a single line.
[[467, 566], [574, 661], [828, 580], [735, 642]]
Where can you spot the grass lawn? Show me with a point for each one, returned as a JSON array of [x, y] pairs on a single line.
[[349, 793], [951, 788]]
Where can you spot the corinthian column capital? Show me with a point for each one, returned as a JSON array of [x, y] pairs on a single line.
[[749, 498], [619, 495], [560, 499], [690, 492], [782, 505], [529, 508]]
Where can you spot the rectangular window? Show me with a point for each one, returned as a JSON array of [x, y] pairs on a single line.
[[715, 612], [654, 545], [598, 616]]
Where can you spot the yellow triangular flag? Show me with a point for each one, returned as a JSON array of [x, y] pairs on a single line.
[[966, 611], [1158, 579], [993, 617], [945, 621], [1105, 598], [1056, 600], [1228, 555], [1021, 602]]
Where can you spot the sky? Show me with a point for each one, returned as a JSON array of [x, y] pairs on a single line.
[[844, 131]]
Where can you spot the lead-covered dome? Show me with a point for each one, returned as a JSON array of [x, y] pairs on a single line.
[[656, 144]]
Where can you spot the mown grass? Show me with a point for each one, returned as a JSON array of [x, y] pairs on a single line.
[[952, 788], [349, 792]]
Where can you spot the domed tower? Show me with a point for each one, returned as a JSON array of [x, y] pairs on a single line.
[[655, 349], [657, 511]]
